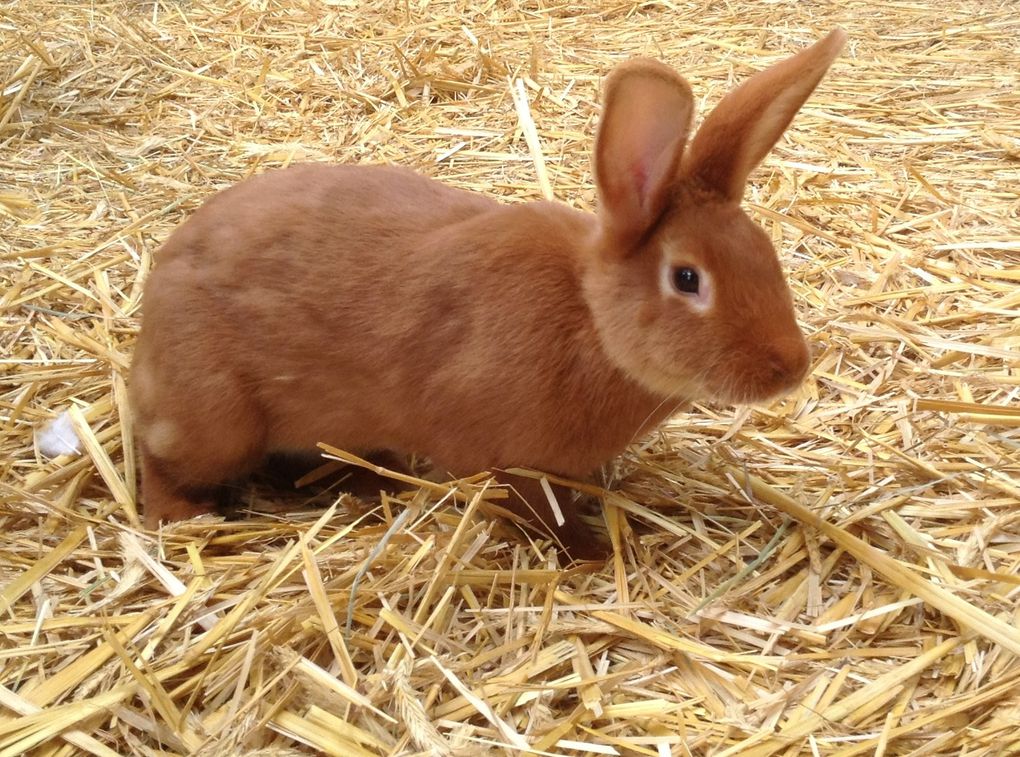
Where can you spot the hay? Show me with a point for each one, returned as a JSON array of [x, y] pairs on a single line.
[[836, 573]]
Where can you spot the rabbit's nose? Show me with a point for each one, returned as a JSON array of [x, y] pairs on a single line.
[[788, 361]]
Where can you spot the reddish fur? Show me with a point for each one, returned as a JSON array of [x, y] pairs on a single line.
[[373, 308]]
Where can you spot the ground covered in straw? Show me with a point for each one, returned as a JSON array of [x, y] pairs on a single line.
[[837, 573]]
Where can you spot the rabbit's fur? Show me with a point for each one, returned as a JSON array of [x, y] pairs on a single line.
[[373, 308]]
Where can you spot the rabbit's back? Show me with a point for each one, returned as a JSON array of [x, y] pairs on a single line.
[[375, 308]]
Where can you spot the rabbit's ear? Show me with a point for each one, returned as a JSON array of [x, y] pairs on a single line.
[[645, 121], [744, 126]]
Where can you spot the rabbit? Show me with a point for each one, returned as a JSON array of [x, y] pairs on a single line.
[[373, 308]]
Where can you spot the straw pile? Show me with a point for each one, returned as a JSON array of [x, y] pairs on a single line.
[[837, 573]]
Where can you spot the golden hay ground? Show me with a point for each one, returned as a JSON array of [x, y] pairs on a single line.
[[858, 595]]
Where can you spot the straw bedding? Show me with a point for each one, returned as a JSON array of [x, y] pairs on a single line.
[[835, 573]]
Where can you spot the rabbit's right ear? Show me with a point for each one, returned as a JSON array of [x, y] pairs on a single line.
[[642, 134]]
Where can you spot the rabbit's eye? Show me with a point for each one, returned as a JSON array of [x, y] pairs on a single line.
[[685, 280]]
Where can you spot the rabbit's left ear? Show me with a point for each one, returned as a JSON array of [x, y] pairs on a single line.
[[642, 134], [744, 126]]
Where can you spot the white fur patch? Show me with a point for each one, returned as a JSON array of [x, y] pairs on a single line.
[[58, 437], [161, 438]]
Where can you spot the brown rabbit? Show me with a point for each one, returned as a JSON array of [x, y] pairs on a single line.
[[374, 309]]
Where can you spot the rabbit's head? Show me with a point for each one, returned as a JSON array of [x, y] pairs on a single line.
[[686, 291]]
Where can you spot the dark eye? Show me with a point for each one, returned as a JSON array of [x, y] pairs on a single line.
[[685, 280]]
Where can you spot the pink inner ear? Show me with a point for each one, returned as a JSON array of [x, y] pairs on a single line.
[[639, 176], [651, 157]]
